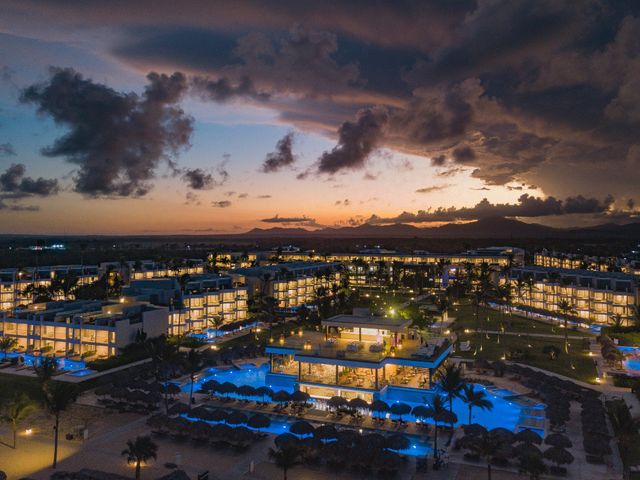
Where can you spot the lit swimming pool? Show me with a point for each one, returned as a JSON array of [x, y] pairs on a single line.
[[211, 334], [248, 374], [631, 363], [82, 373], [30, 360]]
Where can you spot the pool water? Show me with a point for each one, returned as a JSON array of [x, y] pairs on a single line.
[[631, 363], [30, 360], [247, 374], [211, 334], [82, 373]]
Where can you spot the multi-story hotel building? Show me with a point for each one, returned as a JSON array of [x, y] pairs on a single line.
[[586, 262], [203, 302], [14, 282], [86, 327], [596, 296], [292, 284], [358, 355]]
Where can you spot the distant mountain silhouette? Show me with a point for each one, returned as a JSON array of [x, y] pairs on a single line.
[[494, 227]]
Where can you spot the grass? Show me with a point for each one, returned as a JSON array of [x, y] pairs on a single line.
[[627, 338], [627, 433], [12, 384], [576, 364]]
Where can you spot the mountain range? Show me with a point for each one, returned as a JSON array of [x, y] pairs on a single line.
[[495, 227]]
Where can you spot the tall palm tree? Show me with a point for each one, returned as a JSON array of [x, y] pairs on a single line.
[[530, 282], [16, 411], [487, 446], [438, 412], [193, 364], [163, 356], [450, 383], [475, 398], [565, 308], [285, 458], [57, 397], [45, 369], [140, 450]]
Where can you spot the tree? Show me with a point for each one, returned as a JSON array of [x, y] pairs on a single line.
[[438, 412], [565, 308], [193, 364], [616, 321], [163, 356], [475, 398], [487, 445], [16, 411], [217, 322], [6, 344], [285, 457], [45, 369], [450, 383], [57, 397], [140, 450]]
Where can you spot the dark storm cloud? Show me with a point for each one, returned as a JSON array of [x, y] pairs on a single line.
[[117, 140], [222, 89], [282, 156], [356, 141], [198, 179], [527, 206], [14, 184], [6, 150]]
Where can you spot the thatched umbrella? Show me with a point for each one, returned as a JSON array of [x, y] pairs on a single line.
[[397, 441], [400, 409], [200, 412], [558, 455], [302, 427], [259, 421], [264, 392], [528, 436], [178, 408], [348, 436], [526, 449], [474, 429], [503, 434], [285, 440], [325, 432], [337, 402], [421, 412], [200, 430], [221, 431], [281, 396], [217, 415], [242, 435], [246, 391], [172, 389], [227, 388], [388, 461], [210, 385], [237, 418], [374, 440], [594, 445], [558, 440], [300, 397], [359, 404]]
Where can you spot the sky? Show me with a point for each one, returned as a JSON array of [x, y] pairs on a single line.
[[120, 117]]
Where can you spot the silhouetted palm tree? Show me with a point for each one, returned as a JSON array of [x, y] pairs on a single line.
[[475, 398], [565, 308], [193, 364], [285, 457], [16, 411], [140, 450], [57, 397], [450, 383]]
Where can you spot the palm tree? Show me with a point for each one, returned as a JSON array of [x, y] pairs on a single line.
[[6, 344], [45, 369], [285, 457], [438, 412], [193, 364], [18, 410], [140, 450], [163, 355], [450, 383], [57, 397], [616, 321], [217, 322], [487, 446], [565, 308], [475, 398]]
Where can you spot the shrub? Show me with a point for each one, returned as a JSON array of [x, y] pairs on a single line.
[[552, 351]]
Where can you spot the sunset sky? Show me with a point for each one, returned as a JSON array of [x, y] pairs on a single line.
[[211, 117]]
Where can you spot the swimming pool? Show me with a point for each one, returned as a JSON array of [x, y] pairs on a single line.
[[631, 363], [211, 334], [30, 360], [82, 373], [247, 374]]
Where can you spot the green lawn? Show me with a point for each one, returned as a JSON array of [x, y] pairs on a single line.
[[11, 384]]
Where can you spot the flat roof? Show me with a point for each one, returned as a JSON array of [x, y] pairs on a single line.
[[368, 321]]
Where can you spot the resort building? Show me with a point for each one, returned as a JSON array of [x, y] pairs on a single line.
[[18, 286], [625, 264], [292, 284], [85, 328], [203, 302], [147, 269], [596, 296], [358, 355]]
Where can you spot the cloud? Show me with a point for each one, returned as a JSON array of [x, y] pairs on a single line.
[[264, 196], [282, 157], [434, 188], [356, 141], [527, 206], [221, 204], [192, 199], [302, 221], [116, 139], [222, 89], [243, 195], [14, 184], [200, 179], [345, 203], [7, 150]]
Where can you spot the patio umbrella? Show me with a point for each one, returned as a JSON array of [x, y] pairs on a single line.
[[259, 421], [285, 440], [173, 389], [302, 427], [178, 408], [221, 431], [237, 418], [421, 412], [281, 396], [227, 388], [558, 455], [528, 436], [379, 406], [264, 392], [348, 436], [359, 404], [558, 440], [210, 385], [200, 412], [242, 435], [246, 391], [300, 397], [199, 430], [217, 415], [397, 441], [388, 461], [502, 434], [594, 445], [373, 440], [337, 402], [474, 430], [325, 432], [526, 449], [400, 409]]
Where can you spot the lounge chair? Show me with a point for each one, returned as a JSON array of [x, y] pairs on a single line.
[[465, 346]]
